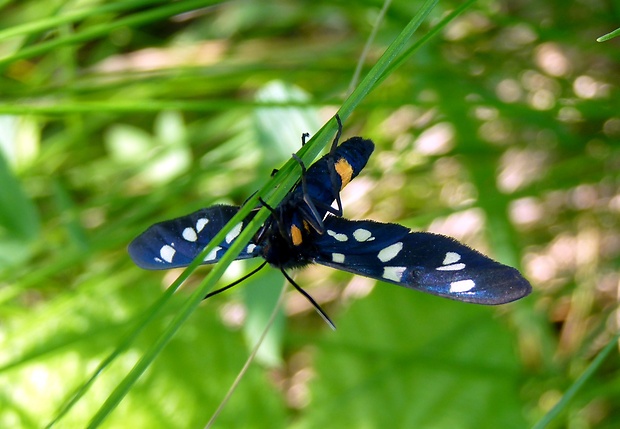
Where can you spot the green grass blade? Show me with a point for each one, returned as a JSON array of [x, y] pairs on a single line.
[[124, 106], [428, 36], [379, 70], [18, 215], [578, 384], [368, 45], [104, 29], [284, 181], [287, 179], [73, 16], [609, 36], [122, 345], [250, 358]]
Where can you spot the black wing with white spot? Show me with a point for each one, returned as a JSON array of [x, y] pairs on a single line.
[[175, 243], [418, 260]]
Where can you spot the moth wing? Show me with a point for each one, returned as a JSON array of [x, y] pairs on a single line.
[[422, 261], [176, 242]]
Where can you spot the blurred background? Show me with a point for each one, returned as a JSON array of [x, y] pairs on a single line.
[[502, 131]]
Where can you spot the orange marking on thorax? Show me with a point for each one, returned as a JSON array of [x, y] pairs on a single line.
[[296, 235], [345, 171]]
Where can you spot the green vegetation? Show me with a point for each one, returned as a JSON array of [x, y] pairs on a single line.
[[500, 128]]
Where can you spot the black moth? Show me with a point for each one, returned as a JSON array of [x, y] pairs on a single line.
[[306, 229]]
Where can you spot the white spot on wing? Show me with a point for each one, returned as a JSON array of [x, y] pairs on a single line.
[[337, 258], [451, 258], [390, 252], [212, 254], [201, 223], [189, 234], [337, 236], [362, 234], [453, 267], [449, 264], [234, 233], [393, 273], [462, 285], [167, 253]]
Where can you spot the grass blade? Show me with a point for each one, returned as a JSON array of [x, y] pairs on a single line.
[[276, 188], [578, 384], [104, 29]]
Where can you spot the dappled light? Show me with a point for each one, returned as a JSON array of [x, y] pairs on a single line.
[[502, 130]]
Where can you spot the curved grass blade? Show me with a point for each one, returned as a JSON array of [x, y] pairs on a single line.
[[104, 29], [275, 190], [73, 16], [578, 384], [609, 36]]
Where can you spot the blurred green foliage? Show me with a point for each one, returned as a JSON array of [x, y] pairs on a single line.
[[503, 131]]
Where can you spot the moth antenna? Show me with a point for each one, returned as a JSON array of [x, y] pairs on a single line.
[[315, 304], [236, 282]]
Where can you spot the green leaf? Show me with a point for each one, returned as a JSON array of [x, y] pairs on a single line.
[[430, 363], [19, 218], [609, 36]]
